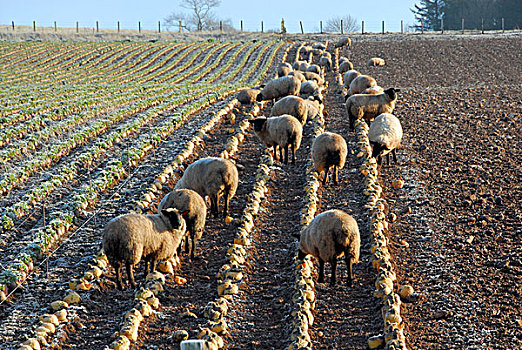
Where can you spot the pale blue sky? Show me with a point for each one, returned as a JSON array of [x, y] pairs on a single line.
[[108, 12]]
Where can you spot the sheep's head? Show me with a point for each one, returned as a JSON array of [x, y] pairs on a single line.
[[259, 96], [258, 123], [174, 217], [392, 93]]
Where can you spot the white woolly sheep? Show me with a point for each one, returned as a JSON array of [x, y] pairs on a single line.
[[345, 66], [248, 96], [385, 136], [369, 106], [328, 236], [194, 209], [329, 149], [314, 68], [283, 131], [283, 69], [361, 83], [127, 239], [376, 61], [298, 74], [280, 87], [349, 76], [326, 62], [292, 105], [343, 42], [309, 88], [211, 177]]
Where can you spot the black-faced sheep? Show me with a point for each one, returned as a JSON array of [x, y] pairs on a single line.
[[385, 136], [248, 96], [281, 87], [343, 42], [329, 235], [369, 106], [376, 61], [301, 65], [213, 177], [130, 238], [315, 106], [325, 62], [349, 76], [283, 69], [292, 105], [345, 66], [314, 68], [189, 202], [319, 46], [361, 83], [298, 74], [329, 149], [309, 88], [283, 131]]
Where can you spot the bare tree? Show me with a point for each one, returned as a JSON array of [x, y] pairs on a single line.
[[350, 24], [200, 16]]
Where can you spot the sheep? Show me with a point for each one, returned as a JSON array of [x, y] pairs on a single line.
[[314, 76], [314, 68], [292, 105], [327, 54], [329, 149], [189, 202], [370, 106], [328, 236], [361, 83], [248, 96], [305, 50], [315, 106], [283, 69], [373, 90], [309, 88], [342, 59], [298, 74], [319, 46], [349, 76], [345, 66], [385, 136], [282, 131], [343, 42], [376, 61], [300, 65], [326, 63], [211, 177], [127, 239], [280, 87]]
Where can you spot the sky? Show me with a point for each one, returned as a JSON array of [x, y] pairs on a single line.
[[149, 12]]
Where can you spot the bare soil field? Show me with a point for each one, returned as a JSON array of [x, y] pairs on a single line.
[[457, 238]]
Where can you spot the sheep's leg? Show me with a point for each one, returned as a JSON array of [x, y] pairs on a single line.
[[394, 155], [349, 263], [118, 276], [379, 159], [352, 121], [388, 159], [336, 175], [152, 265], [130, 272], [213, 204], [321, 271], [281, 154], [187, 243], [286, 153], [293, 153], [217, 203], [146, 267], [226, 199], [325, 178], [275, 152], [333, 262], [193, 245]]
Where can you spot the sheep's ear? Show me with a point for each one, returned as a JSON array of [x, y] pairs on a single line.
[[397, 90], [185, 213], [262, 86]]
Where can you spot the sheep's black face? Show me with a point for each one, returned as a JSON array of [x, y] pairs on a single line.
[[259, 97], [392, 93], [174, 216], [258, 124]]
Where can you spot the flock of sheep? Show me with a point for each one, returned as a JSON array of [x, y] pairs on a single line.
[[297, 96]]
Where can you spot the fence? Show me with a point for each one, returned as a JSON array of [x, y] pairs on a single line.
[[303, 28]]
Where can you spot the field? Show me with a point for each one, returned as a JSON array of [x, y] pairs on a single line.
[[93, 130]]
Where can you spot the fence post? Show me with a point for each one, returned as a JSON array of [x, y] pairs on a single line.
[[342, 30], [321, 26], [402, 26], [301, 24], [139, 26], [241, 25], [502, 25], [77, 27], [362, 27], [442, 25], [221, 26], [383, 27], [34, 26], [482, 26], [422, 26], [159, 26], [118, 26], [463, 26], [12, 22], [97, 27], [262, 27], [180, 26], [55, 26]]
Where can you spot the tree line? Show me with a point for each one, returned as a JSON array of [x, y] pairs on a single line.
[[477, 14]]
